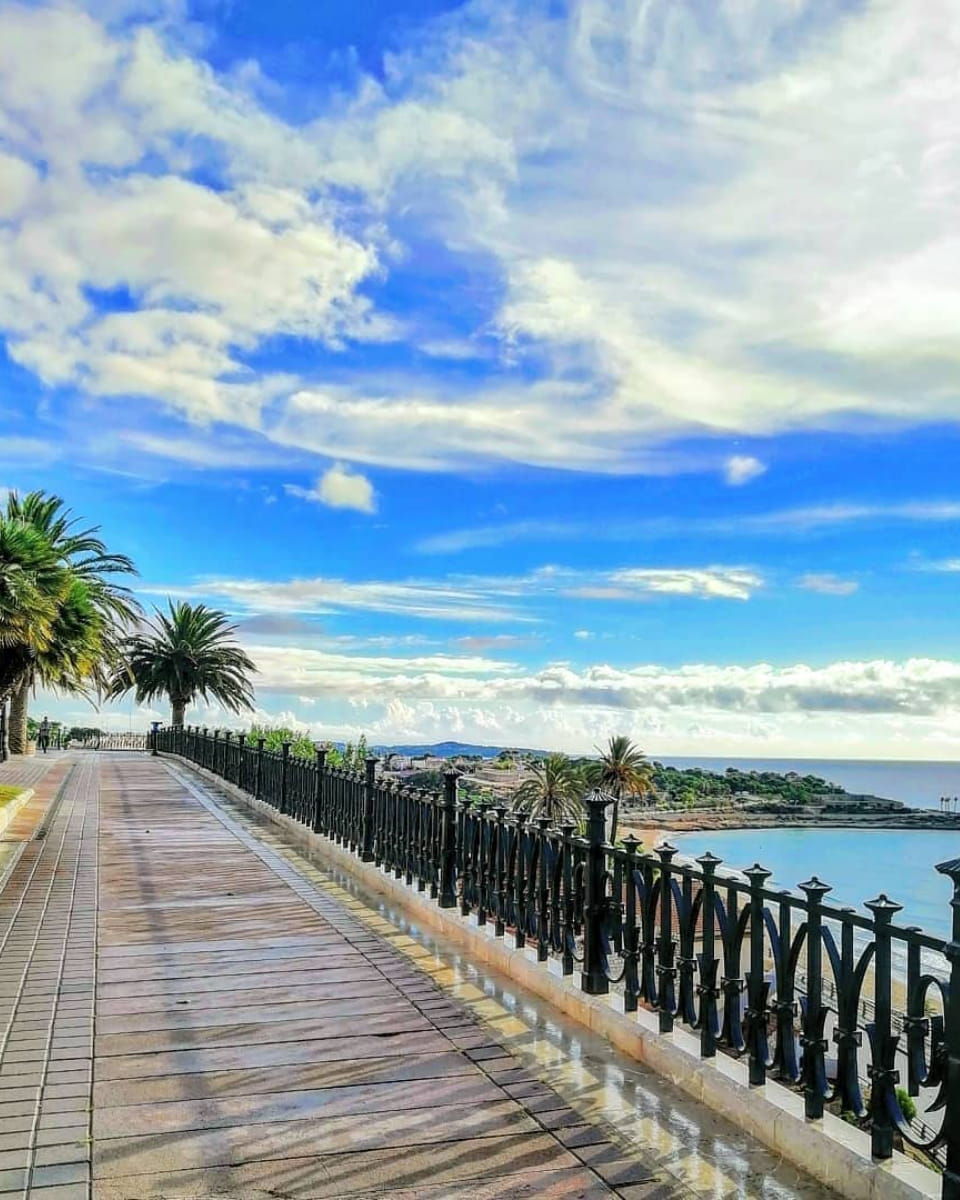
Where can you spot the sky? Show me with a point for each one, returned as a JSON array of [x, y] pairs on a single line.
[[511, 371]]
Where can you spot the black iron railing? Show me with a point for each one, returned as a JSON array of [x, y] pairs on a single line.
[[847, 1006], [115, 741]]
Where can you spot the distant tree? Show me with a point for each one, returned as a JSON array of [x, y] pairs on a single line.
[[555, 791], [186, 652], [62, 614], [622, 771]]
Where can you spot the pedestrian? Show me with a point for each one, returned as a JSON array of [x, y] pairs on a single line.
[[44, 735]]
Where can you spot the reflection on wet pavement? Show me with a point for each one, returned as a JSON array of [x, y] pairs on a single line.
[[703, 1154]]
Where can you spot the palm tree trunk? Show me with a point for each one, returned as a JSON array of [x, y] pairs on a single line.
[[179, 707], [13, 662], [19, 700]]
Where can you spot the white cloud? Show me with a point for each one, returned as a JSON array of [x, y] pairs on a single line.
[[339, 487], [827, 584], [582, 635], [707, 583], [875, 709], [28, 451], [423, 599], [789, 272], [741, 468], [125, 126], [778, 522], [757, 708], [476, 598], [947, 565]]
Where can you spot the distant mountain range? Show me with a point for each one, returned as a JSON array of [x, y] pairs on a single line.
[[452, 750]]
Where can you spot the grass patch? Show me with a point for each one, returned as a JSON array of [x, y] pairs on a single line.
[[8, 794]]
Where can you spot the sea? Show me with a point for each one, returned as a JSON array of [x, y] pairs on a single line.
[[858, 864]]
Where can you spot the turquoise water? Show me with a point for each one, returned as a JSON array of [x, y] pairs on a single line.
[[858, 863]]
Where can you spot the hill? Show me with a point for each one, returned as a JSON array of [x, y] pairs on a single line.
[[452, 750]]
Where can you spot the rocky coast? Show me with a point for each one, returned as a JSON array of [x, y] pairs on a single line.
[[651, 825]]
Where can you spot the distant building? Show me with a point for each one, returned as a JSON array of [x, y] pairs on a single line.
[[397, 762], [427, 762], [844, 800]]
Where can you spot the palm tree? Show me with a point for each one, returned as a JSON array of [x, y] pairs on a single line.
[[555, 791], [623, 770], [184, 653], [32, 582], [69, 641]]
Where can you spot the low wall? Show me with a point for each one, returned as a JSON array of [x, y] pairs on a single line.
[[833, 1152]]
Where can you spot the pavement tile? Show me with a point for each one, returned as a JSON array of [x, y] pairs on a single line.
[[281, 1139], [13, 1180], [60, 1173]]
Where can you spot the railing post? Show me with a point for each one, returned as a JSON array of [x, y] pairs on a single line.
[[707, 989], [883, 1042], [319, 767], [366, 820], [568, 916], [812, 1039], [436, 820], [241, 760], [448, 842], [666, 948], [593, 978], [951, 1117], [258, 778], [499, 871], [519, 881], [543, 894], [465, 861], [631, 936], [284, 765], [227, 748], [758, 990]]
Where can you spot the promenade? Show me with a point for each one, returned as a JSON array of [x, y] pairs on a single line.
[[190, 1009]]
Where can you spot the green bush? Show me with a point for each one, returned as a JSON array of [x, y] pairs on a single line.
[[908, 1105], [352, 757]]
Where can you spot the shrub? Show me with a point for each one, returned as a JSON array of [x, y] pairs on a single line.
[[908, 1105]]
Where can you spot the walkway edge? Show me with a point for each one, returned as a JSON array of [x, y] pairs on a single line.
[[834, 1153], [10, 810]]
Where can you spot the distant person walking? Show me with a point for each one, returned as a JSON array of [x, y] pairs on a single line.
[[43, 736]]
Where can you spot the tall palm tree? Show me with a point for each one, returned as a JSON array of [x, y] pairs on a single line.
[[32, 582], [622, 770], [555, 791], [69, 641], [186, 652]]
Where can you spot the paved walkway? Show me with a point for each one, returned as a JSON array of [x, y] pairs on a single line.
[[256, 1033]]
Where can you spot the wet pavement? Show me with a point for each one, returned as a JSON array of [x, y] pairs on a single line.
[[242, 992]]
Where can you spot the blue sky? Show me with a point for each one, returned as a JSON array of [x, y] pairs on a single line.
[[513, 372]]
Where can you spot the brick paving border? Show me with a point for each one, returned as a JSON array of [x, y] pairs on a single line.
[[47, 966]]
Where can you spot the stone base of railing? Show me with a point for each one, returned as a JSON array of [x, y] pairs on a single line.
[[834, 1153]]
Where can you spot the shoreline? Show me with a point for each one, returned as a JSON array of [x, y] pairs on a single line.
[[657, 825]]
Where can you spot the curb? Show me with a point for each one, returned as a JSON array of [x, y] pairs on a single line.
[[9, 811]]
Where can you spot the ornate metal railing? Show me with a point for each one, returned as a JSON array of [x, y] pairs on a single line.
[[116, 741], [847, 1006]]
